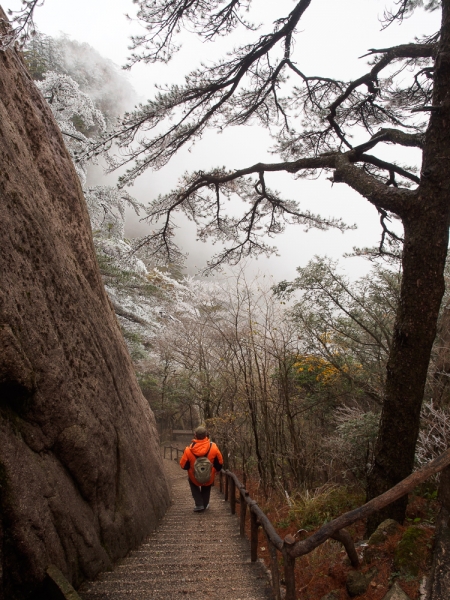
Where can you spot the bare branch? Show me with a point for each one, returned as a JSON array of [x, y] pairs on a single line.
[[164, 18], [394, 136], [395, 200], [202, 196]]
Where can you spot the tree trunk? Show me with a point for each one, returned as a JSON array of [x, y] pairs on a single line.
[[425, 249], [440, 386], [439, 582]]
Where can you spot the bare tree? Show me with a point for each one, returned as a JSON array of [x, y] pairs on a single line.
[[402, 99], [383, 102]]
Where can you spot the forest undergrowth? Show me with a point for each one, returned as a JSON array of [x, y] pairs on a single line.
[[404, 556]]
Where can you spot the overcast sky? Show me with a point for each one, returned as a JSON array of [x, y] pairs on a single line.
[[332, 35]]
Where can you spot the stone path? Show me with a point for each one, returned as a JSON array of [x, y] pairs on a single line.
[[191, 556]]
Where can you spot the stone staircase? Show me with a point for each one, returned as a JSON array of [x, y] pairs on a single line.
[[191, 556]]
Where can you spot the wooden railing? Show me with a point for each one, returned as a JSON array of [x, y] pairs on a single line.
[[172, 450], [290, 548]]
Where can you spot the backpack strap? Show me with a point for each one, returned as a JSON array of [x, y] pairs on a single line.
[[194, 455], [210, 446]]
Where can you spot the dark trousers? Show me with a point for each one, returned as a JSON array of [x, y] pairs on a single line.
[[200, 494]]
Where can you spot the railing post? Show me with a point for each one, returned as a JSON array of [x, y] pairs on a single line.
[[232, 496], [254, 526], [170, 452], [274, 569], [226, 487], [289, 573], [242, 513], [221, 482]]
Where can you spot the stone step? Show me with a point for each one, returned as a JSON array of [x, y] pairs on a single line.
[[172, 594], [190, 555], [136, 579]]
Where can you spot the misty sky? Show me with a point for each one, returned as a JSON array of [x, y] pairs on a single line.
[[332, 35]]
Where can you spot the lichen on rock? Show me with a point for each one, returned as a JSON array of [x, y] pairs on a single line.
[[411, 551], [383, 531]]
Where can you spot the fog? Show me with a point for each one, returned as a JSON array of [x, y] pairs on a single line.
[[332, 36]]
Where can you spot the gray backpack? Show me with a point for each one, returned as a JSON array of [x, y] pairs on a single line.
[[203, 468]]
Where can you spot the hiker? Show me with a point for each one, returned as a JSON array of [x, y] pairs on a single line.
[[201, 460]]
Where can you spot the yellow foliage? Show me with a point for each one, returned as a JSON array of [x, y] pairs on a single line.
[[324, 371]]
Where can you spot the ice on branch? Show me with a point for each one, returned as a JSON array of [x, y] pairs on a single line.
[[75, 113]]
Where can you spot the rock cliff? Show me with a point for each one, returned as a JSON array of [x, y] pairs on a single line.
[[80, 472]]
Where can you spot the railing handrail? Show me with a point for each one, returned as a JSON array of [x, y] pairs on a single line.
[[263, 519], [172, 448], [292, 549], [401, 489]]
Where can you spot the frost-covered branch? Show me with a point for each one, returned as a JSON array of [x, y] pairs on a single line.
[[75, 113], [21, 26], [164, 18]]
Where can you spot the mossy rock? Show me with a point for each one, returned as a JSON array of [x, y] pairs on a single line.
[[383, 531], [358, 582], [411, 551], [333, 595]]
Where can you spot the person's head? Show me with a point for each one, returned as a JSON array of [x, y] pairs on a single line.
[[201, 433]]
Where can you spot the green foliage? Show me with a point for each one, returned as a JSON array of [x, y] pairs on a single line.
[[311, 510], [135, 344], [285, 523], [80, 126], [41, 54], [148, 383], [122, 279], [125, 279], [427, 490], [37, 66]]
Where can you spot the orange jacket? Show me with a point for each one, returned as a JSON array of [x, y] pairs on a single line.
[[200, 448]]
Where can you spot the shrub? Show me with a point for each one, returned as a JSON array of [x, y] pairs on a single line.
[[313, 509]]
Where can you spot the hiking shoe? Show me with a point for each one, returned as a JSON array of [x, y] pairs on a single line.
[[199, 509]]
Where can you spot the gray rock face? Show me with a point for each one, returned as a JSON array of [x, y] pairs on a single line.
[[80, 471]]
